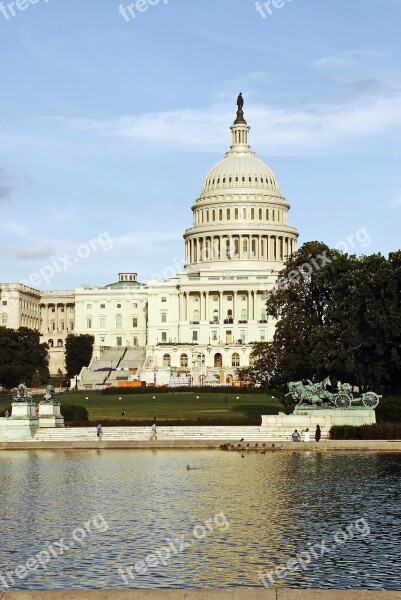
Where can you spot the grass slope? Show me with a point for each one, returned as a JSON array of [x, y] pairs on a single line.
[[175, 405]]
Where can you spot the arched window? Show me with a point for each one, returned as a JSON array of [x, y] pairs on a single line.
[[59, 343], [218, 360], [184, 360], [236, 214], [196, 315], [166, 360], [252, 213], [243, 314], [220, 214], [260, 214], [235, 360], [215, 316], [228, 214], [50, 343], [119, 321], [244, 214]]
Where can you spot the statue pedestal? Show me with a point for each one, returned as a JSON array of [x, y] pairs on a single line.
[[282, 427], [50, 415], [23, 422], [349, 416]]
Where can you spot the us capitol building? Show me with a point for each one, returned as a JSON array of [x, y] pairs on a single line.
[[199, 326]]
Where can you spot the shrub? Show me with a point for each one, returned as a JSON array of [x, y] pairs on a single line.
[[379, 431], [206, 389], [73, 412], [389, 410], [345, 432]]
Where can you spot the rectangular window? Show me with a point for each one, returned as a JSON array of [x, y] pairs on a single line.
[[262, 335], [215, 298], [135, 341], [164, 317], [4, 302], [243, 335], [71, 325], [164, 299], [102, 323], [62, 325], [164, 336], [229, 298], [119, 341], [135, 322], [214, 336], [243, 298], [135, 305], [195, 336], [88, 324], [102, 306], [89, 306]]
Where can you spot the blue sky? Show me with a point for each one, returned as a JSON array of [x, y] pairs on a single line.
[[108, 127]]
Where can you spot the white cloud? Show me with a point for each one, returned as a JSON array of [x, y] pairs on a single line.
[[345, 58], [277, 130]]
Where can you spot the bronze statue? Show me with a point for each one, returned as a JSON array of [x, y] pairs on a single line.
[[50, 396], [22, 395], [240, 101]]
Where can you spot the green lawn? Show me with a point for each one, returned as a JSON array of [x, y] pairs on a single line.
[[175, 405]]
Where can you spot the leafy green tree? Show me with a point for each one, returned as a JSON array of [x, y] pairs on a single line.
[[21, 357], [337, 315], [78, 353]]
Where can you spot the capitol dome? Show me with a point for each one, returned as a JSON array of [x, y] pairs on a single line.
[[240, 215], [239, 171]]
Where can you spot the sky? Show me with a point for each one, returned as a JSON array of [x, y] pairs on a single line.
[[112, 117]]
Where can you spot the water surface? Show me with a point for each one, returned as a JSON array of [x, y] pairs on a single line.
[[254, 513]]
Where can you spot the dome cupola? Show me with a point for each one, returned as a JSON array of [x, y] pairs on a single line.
[[240, 214]]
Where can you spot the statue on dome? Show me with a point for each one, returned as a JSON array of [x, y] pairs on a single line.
[[240, 101]]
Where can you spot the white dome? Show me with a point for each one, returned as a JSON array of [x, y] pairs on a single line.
[[239, 171]]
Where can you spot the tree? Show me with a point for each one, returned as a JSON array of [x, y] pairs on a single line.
[[337, 315], [21, 357], [78, 353]]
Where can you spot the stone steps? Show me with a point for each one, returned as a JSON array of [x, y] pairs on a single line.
[[233, 434]]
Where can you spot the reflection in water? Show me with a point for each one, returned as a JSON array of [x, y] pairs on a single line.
[[276, 505]]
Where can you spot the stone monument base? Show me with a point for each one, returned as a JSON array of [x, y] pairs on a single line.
[[284, 426], [50, 415], [23, 422]]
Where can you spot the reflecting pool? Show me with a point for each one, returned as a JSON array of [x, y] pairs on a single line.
[[72, 519]]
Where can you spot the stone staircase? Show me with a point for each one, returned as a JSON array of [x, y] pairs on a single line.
[[250, 434]]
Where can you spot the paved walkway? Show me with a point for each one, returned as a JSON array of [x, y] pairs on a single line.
[[324, 446], [235, 594]]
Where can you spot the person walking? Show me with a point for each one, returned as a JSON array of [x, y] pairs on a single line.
[[295, 436], [7, 414], [99, 432], [153, 433], [318, 433]]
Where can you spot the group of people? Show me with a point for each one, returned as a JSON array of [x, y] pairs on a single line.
[[305, 435]]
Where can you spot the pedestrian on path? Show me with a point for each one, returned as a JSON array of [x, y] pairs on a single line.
[[318, 433], [99, 432], [153, 433]]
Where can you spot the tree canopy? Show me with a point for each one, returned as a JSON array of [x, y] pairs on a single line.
[[337, 315], [22, 357], [78, 353]]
